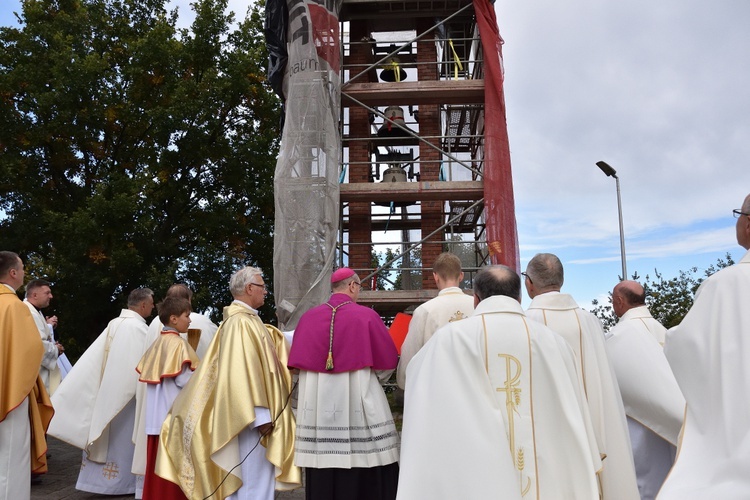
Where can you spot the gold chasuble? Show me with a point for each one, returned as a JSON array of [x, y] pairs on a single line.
[[494, 409], [244, 367], [20, 357], [166, 358]]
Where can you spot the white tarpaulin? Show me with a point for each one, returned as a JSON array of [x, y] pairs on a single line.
[[306, 187]]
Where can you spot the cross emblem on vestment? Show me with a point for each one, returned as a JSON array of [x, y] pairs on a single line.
[[110, 470], [305, 410], [334, 411]]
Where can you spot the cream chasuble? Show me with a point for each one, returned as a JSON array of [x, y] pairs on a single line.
[[244, 368], [91, 398], [494, 410], [709, 353], [585, 336], [451, 304]]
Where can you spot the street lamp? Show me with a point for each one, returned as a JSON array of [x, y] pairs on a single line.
[[611, 172]]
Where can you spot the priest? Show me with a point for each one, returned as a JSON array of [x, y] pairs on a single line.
[[709, 352], [95, 403], [653, 402], [544, 278], [230, 433], [451, 304], [38, 296], [25, 409], [494, 408], [346, 438]]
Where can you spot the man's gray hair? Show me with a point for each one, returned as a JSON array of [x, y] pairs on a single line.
[[239, 280], [139, 295], [546, 271], [497, 280]]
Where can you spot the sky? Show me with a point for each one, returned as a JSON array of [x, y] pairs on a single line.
[[661, 92]]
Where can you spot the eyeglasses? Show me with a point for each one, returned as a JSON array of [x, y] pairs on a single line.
[[527, 277], [739, 213], [256, 284], [359, 284]]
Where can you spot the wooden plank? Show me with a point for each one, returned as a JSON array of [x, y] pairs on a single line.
[[411, 191], [405, 93]]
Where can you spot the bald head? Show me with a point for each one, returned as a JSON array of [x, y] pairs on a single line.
[[496, 280], [627, 295]]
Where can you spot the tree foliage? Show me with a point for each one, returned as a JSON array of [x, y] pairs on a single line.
[[134, 153], [669, 300]]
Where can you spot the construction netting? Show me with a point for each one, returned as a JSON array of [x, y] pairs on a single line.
[[306, 189]]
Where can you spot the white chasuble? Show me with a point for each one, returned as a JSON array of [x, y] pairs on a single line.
[[494, 410], [652, 399], [508, 363], [583, 333], [709, 352]]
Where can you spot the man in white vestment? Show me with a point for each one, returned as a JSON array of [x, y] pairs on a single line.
[[709, 352], [653, 402], [25, 409], [495, 409], [38, 296], [582, 330], [95, 403], [451, 304]]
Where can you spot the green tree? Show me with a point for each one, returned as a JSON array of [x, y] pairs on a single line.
[[669, 300], [134, 153]]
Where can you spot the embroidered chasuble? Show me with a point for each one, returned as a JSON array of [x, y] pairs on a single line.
[[583, 333], [709, 352], [451, 304], [95, 405], [25, 408], [495, 410], [244, 368]]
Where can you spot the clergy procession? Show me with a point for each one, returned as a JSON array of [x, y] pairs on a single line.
[[499, 402]]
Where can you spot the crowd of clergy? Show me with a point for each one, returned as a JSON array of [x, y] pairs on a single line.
[[499, 402]]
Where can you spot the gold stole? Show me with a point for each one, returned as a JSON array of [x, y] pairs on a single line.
[[508, 364]]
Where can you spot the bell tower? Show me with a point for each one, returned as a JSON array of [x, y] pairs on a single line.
[[416, 152]]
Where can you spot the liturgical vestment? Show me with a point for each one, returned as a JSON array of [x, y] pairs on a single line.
[[585, 336], [202, 437], [95, 406], [451, 304], [652, 399], [709, 352], [49, 370], [25, 409], [345, 429], [494, 409]]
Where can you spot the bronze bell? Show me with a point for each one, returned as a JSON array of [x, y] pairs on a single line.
[[388, 129], [392, 71]]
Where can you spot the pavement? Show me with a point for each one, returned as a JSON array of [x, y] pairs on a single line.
[[65, 462]]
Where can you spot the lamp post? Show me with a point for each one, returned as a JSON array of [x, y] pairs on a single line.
[[611, 172]]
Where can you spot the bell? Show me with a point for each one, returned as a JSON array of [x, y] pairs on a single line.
[[388, 129], [392, 71], [394, 174]]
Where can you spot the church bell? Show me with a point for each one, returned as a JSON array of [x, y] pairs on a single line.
[[392, 71], [388, 129]]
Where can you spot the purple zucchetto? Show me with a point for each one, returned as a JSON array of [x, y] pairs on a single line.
[[341, 274]]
